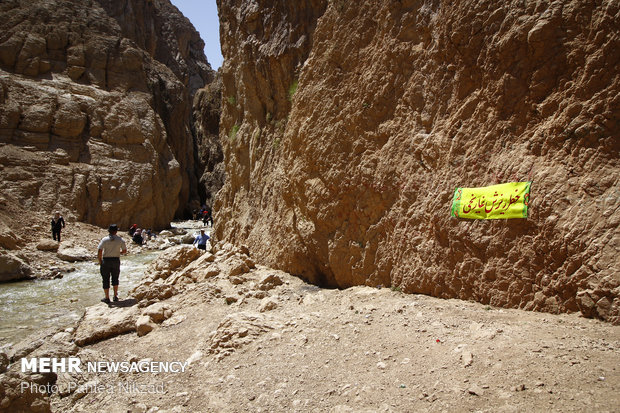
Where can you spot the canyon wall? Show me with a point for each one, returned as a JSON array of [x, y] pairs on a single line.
[[96, 109], [207, 109], [346, 127]]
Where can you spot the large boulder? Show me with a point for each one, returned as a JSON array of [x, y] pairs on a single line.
[[100, 322], [48, 245], [72, 253], [13, 268]]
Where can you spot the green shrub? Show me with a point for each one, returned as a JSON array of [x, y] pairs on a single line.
[[292, 89], [233, 132]]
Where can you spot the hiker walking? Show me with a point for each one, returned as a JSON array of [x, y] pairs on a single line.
[[206, 216], [108, 254], [201, 240], [58, 223]]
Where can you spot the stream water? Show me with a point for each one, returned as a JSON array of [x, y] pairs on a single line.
[[30, 306]]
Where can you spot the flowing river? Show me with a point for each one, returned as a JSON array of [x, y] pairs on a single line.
[[30, 306]]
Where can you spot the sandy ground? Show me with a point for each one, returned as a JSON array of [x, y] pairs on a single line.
[[299, 348]]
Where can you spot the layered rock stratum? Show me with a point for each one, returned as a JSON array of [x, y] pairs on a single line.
[[96, 109], [347, 126]]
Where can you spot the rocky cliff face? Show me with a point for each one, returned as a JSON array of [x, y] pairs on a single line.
[[207, 109], [346, 128], [95, 108]]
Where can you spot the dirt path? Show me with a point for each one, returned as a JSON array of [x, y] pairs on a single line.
[[257, 346]]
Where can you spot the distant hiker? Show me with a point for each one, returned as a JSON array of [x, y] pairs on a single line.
[[132, 229], [109, 257], [201, 240], [148, 234], [206, 217], [58, 223], [137, 237]]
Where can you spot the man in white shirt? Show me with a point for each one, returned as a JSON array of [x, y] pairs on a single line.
[[109, 253]]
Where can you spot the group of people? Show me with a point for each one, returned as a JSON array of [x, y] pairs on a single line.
[[205, 215], [140, 236], [112, 246]]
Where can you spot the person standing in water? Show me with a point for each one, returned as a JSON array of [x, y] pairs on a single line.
[[58, 223], [109, 257]]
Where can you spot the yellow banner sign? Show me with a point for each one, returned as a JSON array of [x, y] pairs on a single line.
[[492, 202]]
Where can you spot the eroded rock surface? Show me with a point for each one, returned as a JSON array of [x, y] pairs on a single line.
[[343, 151], [95, 109]]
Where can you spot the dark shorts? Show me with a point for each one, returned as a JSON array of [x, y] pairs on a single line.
[[202, 247], [110, 267]]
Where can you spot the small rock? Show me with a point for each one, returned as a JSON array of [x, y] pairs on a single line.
[[467, 358], [381, 365], [144, 325], [475, 390], [231, 299], [269, 281], [236, 280], [268, 304], [194, 357]]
